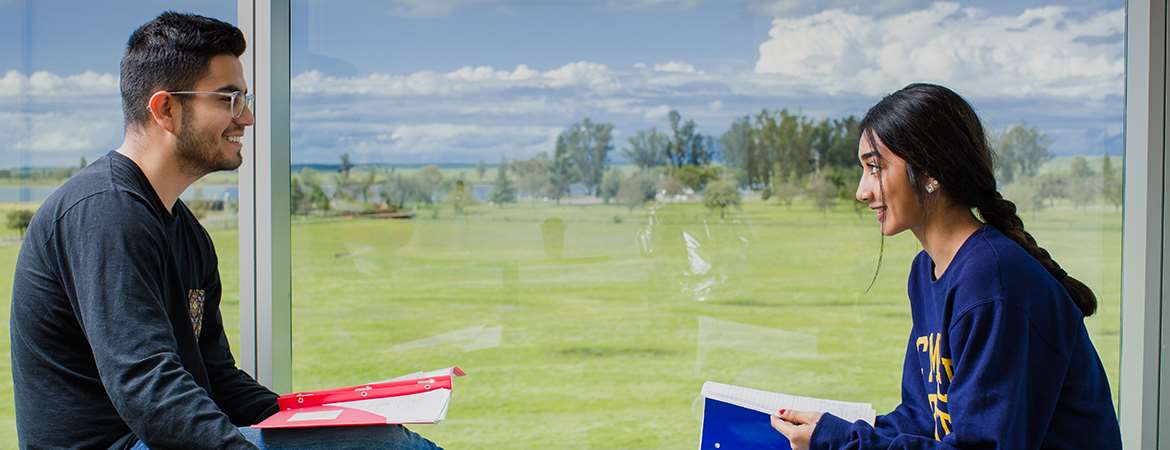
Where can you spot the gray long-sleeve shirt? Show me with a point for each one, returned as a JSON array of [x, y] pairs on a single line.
[[115, 324]]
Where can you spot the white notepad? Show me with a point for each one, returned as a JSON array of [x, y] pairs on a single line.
[[427, 407]]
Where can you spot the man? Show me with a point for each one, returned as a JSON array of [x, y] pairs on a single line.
[[117, 338]]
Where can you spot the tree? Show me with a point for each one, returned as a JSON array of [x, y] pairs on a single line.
[[564, 172], [296, 196], [345, 165], [669, 187], [480, 169], [343, 187], [636, 190], [533, 175], [1080, 168], [459, 196], [647, 149], [837, 145], [740, 152], [200, 207], [696, 177], [610, 183], [688, 146], [429, 182], [721, 195], [823, 192], [503, 191], [1111, 186], [19, 219], [1083, 185], [1083, 191], [588, 145], [317, 199], [1025, 193], [397, 190], [366, 186], [83, 163], [784, 191], [784, 141], [787, 146], [1020, 151], [1052, 186]]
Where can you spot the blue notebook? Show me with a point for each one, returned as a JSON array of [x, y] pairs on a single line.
[[729, 427], [735, 417]]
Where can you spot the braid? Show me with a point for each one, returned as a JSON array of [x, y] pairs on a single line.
[[1001, 214]]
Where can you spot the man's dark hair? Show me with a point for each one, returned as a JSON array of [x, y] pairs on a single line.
[[171, 53]]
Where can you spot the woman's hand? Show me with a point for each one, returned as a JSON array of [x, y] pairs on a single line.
[[797, 426]]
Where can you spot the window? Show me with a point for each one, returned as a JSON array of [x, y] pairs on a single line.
[[558, 198]]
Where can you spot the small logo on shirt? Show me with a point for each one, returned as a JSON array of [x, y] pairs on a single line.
[[195, 299]]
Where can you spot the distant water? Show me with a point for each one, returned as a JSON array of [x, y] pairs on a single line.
[[9, 194], [37, 194]]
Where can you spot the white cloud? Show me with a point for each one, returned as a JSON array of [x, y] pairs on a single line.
[[434, 8], [462, 81], [790, 8], [426, 142], [1040, 52], [511, 107], [53, 135], [675, 67], [715, 106], [657, 113], [594, 75], [47, 84]]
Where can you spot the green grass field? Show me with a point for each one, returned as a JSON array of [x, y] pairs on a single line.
[[603, 339]]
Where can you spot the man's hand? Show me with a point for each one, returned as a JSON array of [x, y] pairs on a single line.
[[797, 426]]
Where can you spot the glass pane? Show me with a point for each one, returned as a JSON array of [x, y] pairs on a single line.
[[557, 198], [60, 109]]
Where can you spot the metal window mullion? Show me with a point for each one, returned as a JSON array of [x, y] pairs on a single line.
[[1143, 238], [265, 228]]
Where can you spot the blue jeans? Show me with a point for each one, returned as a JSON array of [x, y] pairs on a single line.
[[390, 437]]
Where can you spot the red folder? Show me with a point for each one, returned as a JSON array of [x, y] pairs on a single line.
[[416, 398]]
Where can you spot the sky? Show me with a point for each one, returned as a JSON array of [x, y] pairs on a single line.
[[460, 81]]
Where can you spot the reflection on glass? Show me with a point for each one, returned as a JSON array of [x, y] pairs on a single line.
[[551, 201]]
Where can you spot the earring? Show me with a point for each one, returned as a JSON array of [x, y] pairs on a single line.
[[930, 187]]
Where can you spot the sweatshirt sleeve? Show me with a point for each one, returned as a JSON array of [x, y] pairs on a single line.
[[910, 419], [245, 401], [989, 393], [114, 270]]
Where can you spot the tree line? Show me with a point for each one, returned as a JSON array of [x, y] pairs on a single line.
[[779, 154]]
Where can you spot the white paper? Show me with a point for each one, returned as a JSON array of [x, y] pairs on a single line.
[[315, 415], [421, 375], [426, 407], [770, 402]]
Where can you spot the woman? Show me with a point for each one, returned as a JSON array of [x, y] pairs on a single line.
[[998, 355]]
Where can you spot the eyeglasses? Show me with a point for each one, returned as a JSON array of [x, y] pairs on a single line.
[[237, 106]]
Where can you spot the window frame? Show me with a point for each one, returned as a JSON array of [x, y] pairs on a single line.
[[265, 220], [1143, 276]]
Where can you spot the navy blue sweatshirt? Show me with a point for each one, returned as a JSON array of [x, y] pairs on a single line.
[[116, 331], [998, 357]]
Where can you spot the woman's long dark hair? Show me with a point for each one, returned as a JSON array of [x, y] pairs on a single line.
[[939, 136]]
